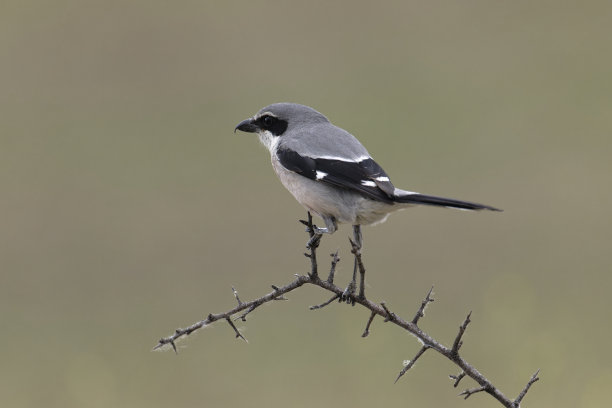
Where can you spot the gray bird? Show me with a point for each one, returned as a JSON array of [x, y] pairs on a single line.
[[330, 173]]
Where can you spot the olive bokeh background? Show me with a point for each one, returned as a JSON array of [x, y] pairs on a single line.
[[129, 207]]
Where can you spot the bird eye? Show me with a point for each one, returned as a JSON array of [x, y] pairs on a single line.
[[268, 120], [272, 124]]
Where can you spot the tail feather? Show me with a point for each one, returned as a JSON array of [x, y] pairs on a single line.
[[416, 198]]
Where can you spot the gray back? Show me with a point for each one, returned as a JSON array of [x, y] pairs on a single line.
[[311, 134]]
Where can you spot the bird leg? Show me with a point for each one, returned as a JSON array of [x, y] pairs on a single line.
[[331, 225], [358, 264], [348, 295]]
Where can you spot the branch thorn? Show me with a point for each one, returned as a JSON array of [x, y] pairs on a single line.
[[390, 316], [533, 379], [238, 334], [458, 343], [470, 391], [322, 305], [236, 296], [367, 329], [457, 378], [421, 312], [410, 363], [332, 270]]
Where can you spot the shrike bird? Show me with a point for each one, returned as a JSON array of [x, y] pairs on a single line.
[[329, 171]]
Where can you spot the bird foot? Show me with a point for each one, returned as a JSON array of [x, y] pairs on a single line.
[[313, 229], [315, 233], [321, 231], [348, 296], [314, 240]]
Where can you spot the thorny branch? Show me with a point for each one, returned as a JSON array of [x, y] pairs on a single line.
[[380, 309]]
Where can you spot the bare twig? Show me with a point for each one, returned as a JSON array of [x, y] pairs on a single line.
[[211, 318], [471, 391], [280, 297], [238, 334], [458, 343], [332, 270], [389, 316], [244, 315], [367, 329], [421, 312], [322, 305], [236, 296], [457, 378], [533, 379], [381, 309], [312, 245], [410, 363]]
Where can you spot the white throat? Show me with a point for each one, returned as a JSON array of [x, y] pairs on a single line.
[[269, 140]]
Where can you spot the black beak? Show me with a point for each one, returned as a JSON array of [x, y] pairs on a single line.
[[247, 125]]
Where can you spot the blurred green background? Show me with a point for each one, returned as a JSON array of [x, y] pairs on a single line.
[[129, 208]]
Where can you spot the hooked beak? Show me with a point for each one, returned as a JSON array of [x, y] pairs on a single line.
[[247, 125]]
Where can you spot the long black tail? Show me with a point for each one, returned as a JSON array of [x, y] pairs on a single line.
[[415, 198]]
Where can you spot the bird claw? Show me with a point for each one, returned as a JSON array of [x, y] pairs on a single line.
[[314, 240], [320, 231], [348, 296], [314, 232], [314, 229]]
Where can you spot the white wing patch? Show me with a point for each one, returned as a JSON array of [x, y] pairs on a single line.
[[343, 159], [382, 178], [320, 175], [399, 192], [368, 183]]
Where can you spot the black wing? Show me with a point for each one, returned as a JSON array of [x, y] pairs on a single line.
[[365, 177]]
